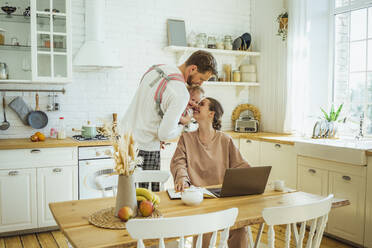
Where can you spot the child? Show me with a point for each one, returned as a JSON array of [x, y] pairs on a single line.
[[196, 95]]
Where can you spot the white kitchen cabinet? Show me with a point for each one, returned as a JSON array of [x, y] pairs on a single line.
[[282, 159], [312, 180], [54, 185], [345, 181], [347, 222], [44, 53], [368, 218], [250, 150], [17, 199]]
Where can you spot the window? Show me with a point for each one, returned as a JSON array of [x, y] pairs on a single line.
[[352, 79]]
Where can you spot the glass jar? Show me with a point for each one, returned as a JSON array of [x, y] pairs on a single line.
[[201, 40], [191, 39], [212, 42], [228, 42], [58, 42], [45, 40], [219, 44], [236, 76], [61, 132]]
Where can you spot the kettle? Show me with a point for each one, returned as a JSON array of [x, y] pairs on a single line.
[[4, 71]]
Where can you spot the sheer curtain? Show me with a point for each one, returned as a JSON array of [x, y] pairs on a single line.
[[297, 67]]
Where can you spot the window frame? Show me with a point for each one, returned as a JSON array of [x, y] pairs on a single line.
[[359, 4]]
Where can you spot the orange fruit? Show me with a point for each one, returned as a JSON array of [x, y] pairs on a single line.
[[34, 138], [41, 137]]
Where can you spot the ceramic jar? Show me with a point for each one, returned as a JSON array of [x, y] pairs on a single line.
[[192, 196]]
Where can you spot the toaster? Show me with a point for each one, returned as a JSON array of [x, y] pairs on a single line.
[[246, 125]]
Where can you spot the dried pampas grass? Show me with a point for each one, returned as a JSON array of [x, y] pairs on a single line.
[[125, 151]]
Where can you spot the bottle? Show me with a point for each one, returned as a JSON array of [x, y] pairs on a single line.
[[61, 134], [228, 42]]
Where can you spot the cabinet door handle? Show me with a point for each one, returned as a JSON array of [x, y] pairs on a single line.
[[35, 151], [248, 141], [277, 146], [312, 171], [57, 170], [347, 178], [13, 173]]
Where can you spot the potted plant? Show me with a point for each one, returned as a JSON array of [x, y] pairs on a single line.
[[331, 119], [282, 19]]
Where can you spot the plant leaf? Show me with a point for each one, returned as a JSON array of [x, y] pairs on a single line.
[[332, 113], [325, 114], [338, 111]]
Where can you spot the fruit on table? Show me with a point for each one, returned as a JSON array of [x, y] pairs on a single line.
[[145, 194], [125, 213], [146, 208]]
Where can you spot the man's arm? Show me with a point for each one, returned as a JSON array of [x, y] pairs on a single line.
[[173, 105]]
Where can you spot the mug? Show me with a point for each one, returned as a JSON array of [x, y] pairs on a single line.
[[278, 185]]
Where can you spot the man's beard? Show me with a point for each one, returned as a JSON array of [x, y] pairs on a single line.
[[189, 80]]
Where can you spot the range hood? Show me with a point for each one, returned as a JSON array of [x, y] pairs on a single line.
[[95, 54]]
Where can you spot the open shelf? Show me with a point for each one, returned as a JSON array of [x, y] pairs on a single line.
[[59, 19], [246, 84], [181, 49], [22, 48]]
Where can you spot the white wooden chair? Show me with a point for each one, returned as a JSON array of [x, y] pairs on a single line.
[[107, 182], [175, 227], [151, 176], [313, 214]]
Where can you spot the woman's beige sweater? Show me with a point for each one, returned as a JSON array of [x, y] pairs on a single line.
[[205, 165]]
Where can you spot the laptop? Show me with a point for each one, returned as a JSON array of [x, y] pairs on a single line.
[[243, 181]]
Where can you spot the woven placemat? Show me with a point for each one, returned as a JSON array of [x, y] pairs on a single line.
[[106, 218]]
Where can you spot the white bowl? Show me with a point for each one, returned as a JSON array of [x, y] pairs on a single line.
[[192, 196]]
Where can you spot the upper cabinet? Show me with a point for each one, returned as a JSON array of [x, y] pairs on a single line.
[[37, 42]]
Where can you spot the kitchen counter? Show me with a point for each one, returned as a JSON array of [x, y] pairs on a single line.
[[26, 143], [286, 139]]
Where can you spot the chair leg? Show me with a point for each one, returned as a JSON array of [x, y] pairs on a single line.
[[258, 238]]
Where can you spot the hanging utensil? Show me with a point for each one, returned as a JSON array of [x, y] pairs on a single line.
[[37, 119], [5, 125]]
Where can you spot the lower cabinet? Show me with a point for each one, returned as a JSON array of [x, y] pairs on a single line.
[[368, 226], [312, 180], [55, 184], [18, 209], [344, 181], [282, 159], [25, 195], [347, 222], [250, 150]]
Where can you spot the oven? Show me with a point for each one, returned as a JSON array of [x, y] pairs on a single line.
[[94, 161]]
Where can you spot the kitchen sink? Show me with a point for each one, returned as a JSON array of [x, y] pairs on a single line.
[[343, 150]]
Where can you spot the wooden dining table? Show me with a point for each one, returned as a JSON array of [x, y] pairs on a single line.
[[72, 216]]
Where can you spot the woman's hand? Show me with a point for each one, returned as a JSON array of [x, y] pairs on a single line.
[[181, 185]]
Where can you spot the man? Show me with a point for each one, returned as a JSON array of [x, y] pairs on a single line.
[[156, 112]]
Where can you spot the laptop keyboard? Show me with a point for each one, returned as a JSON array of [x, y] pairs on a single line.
[[216, 191]]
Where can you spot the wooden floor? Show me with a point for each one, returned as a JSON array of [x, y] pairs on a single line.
[[55, 239]]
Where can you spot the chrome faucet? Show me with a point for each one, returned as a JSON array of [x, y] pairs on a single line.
[[360, 135]]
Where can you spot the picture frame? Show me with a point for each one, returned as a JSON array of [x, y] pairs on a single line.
[[176, 32]]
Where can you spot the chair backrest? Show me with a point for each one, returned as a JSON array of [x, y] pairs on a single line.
[[314, 214], [105, 181], [151, 176], [161, 228]]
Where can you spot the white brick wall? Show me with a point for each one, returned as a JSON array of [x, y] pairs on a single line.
[[137, 30]]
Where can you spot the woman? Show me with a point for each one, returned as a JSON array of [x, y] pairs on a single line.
[[202, 157]]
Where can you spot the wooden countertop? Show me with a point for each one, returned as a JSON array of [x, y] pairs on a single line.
[[261, 136], [26, 143]]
